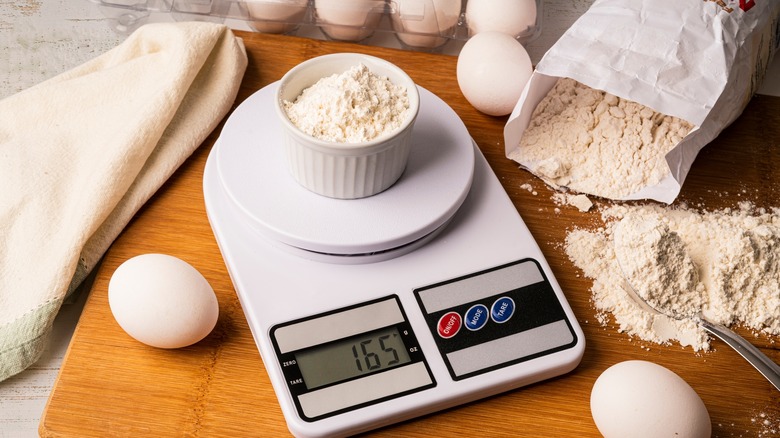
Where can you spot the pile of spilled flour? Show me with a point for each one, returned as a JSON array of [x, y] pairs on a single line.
[[723, 264], [593, 142]]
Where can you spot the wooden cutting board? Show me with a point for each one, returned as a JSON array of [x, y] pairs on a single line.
[[112, 385]]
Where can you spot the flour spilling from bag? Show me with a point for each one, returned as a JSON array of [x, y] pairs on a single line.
[[723, 264], [622, 104]]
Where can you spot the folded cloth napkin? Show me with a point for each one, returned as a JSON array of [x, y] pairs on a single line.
[[82, 152]]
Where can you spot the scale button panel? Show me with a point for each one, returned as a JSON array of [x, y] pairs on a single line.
[[511, 313]]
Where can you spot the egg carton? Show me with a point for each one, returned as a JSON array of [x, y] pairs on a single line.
[[426, 25]]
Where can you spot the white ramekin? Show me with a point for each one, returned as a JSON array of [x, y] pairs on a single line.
[[345, 170]]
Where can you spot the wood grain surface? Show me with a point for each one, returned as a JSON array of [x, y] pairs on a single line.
[[111, 384]]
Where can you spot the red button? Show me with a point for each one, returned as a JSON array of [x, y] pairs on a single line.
[[449, 325]]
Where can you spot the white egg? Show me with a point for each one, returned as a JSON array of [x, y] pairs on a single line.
[[512, 17], [492, 71], [425, 24], [349, 20], [162, 301], [642, 399], [276, 16]]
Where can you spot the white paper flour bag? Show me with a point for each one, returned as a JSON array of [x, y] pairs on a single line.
[[646, 85]]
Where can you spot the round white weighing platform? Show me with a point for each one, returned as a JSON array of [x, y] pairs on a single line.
[[253, 170]]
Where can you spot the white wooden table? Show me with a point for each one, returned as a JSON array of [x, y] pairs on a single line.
[[41, 39]]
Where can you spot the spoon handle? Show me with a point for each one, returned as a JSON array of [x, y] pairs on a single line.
[[759, 360]]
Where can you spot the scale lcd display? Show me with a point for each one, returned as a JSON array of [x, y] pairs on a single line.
[[352, 357]]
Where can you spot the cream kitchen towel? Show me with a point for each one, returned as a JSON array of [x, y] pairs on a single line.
[[81, 153]]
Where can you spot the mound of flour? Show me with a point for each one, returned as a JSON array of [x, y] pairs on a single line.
[[596, 143], [656, 264], [734, 254], [351, 107]]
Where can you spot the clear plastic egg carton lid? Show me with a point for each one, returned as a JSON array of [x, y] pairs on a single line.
[[416, 24]]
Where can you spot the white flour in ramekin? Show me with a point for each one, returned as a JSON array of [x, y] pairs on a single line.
[[351, 107]]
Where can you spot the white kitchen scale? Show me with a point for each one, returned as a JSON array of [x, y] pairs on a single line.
[[368, 312]]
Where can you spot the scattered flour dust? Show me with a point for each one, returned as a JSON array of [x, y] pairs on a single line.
[[724, 264], [582, 202], [596, 143], [769, 425], [351, 107], [529, 188]]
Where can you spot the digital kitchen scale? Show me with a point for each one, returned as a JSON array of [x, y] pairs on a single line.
[[367, 312]]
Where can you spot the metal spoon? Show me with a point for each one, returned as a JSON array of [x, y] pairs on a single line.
[[753, 355]]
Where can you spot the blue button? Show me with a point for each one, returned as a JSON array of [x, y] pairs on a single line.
[[476, 317], [502, 309]]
